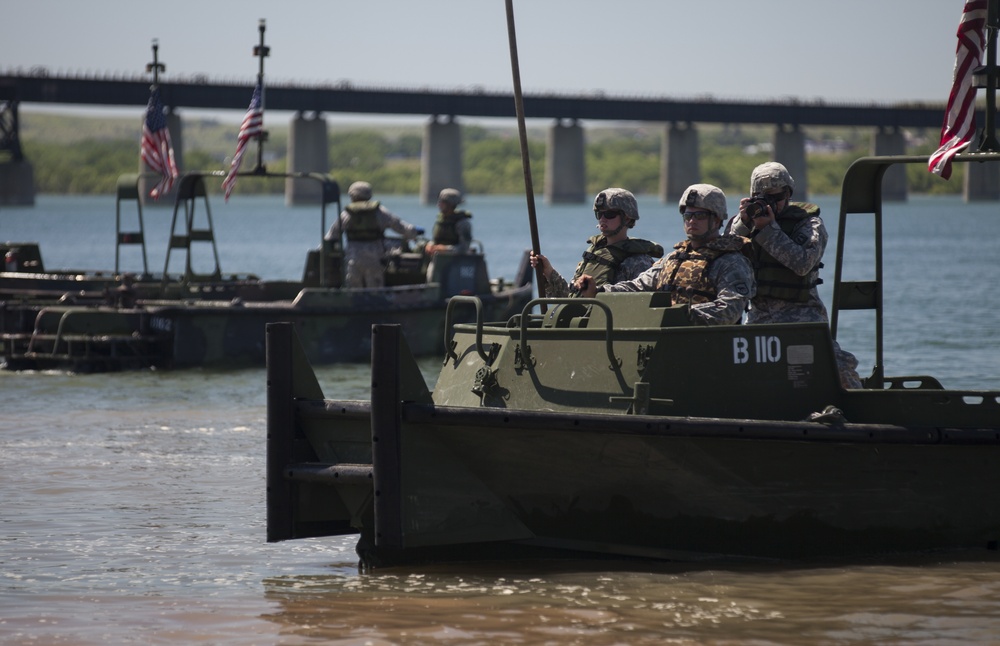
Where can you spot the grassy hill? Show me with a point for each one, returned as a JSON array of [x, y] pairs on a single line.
[[79, 154]]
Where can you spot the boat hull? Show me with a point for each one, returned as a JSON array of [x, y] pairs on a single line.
[[433, 481], [223, 324]]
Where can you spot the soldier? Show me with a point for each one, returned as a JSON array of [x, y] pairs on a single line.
[[707, 271], [611, 256], [364, 222], [453, 228], [789, 239]]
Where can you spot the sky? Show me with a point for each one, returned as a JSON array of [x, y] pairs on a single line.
[[837, 50]]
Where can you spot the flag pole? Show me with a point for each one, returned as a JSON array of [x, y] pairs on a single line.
[[522, 132], [156, 66], [989, 141], [261, 51]]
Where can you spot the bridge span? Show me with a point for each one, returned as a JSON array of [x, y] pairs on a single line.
[[441, 152]]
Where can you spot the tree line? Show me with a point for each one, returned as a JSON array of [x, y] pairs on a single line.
[[622, 156]]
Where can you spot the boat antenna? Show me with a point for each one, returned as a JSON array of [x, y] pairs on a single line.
[[156, 66], [522, 132], [261, 51], [988, 73]]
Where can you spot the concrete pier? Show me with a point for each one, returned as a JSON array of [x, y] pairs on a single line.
[[891, 141], [790, 150], [149, 178], [308, 152], [17, 183], [440, 159], [680, 163], [565, 166], [982, 181]]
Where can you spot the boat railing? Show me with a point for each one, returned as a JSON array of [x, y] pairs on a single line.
[[579, 306], [449, 343], [66, 317], [862, 195]]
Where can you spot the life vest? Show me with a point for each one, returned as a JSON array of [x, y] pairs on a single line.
[[363, 226], [602, 260], [685, 272], [774, 280], [445, 229]]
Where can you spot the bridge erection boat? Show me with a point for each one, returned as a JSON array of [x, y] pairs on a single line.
[[613, 426], [114, 320], [601, 426]]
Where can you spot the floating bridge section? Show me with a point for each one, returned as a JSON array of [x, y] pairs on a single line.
[[441, 154]]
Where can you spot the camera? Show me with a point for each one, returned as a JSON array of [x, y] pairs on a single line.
[[757, 206]]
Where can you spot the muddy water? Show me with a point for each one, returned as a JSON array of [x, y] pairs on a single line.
[[132, 505], [133, 511]]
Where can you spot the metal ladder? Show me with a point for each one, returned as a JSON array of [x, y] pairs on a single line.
[[128, 191], [192, 187]]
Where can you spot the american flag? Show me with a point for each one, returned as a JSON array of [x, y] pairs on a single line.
[[960, 119], [253, 125], [156, 150]]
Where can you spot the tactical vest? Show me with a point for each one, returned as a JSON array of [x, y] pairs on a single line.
[[601, 260], [685, 272], [445, 229], [363, 226], [774, 280]]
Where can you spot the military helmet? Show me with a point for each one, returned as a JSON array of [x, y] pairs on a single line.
[[360, 191], [617, 199], [451, 196], [705, 196], [770, 176]]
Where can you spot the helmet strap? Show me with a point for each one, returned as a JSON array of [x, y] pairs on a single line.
[[620, 227]]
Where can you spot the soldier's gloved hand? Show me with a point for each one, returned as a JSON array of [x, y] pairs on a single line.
[[419, 231]]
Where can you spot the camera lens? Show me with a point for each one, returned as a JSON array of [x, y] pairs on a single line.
[[755, 209]]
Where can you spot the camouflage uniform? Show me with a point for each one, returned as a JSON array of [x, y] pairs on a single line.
[[454, 229], [615, 262], [800, 251], [730, 273], [629, 268], [365, 259]]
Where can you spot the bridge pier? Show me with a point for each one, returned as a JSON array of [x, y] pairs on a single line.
[[17, 183], [17, 177], [890, 141], [790, 150], [308, 152], [680, 164], [149, 178], [982, 181], [440, 159], [565, 165]]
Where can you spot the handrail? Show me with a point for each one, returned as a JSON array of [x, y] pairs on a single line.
[[59, 328], [473, 300], [609, 324]]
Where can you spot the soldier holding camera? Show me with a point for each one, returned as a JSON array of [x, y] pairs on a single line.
[[789, 239]]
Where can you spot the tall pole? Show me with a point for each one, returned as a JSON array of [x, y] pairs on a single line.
[[261, 51], [989, 142], [523, 134], [156, 66]]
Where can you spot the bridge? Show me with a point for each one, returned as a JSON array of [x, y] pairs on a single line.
[[441, 152]]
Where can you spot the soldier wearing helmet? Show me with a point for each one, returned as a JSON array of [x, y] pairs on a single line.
[[789, 239], [453, 227], [363, 222], [611, 256], [707, 271]]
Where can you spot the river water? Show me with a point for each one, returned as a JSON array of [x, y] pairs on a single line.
[[133, 504]]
